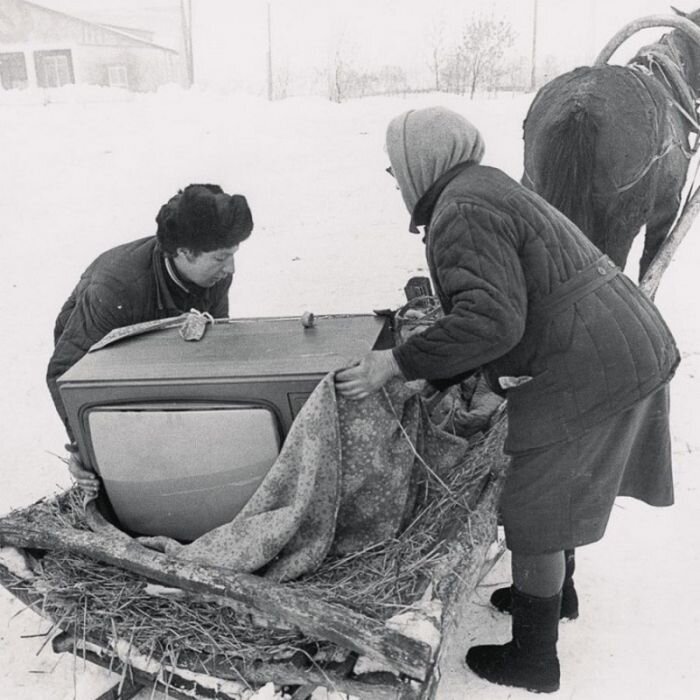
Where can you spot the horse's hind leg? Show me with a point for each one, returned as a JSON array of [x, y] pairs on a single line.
[[614, 238], [617, 221], [658, 227]]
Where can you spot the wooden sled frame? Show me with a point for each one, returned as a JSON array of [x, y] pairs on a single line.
[[411, 666]]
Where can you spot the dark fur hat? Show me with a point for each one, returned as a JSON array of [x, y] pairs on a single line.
[[203, 218]]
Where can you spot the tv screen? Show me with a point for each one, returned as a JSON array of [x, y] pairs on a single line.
[[182, 485], [182, 433]]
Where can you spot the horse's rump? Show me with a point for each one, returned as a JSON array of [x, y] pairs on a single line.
[[591, 134]]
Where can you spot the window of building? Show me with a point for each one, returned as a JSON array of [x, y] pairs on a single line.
[[53, 68], [117, 76], [13, 70]]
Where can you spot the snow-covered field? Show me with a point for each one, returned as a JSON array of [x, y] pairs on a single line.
[[83, 170]]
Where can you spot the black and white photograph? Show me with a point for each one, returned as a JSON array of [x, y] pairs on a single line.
[[351, 349]]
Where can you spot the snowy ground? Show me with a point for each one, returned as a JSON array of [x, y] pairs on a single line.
[[85, 170]]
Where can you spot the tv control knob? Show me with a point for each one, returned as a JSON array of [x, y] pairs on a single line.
[[307, 319]]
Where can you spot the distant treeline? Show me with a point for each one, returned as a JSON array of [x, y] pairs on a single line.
[[475, 57]]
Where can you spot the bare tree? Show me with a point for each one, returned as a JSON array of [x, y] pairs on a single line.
[[341, 72], [482, 48], [338, 79], [392, 80], [437, 48], [280, 82], [516, 74], [455, 72]]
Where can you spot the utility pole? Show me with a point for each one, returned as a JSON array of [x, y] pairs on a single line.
[[186, 23], [269, 52], [533, 60], [592, 44]]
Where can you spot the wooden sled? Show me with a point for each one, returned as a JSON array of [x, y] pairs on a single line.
[[331, 634]]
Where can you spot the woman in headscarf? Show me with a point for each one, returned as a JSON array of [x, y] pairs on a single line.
[[583, 357]]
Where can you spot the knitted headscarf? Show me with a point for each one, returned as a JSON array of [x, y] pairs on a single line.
[[423, 144]]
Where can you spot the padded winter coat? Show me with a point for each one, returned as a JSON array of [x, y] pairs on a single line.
[[527, 295], [125, 285]]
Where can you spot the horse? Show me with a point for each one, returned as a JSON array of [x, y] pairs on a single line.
[[609, 146]]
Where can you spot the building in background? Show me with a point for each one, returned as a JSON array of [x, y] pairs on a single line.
[[41, 47]]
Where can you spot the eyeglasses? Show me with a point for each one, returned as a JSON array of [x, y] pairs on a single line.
[[390, 170]]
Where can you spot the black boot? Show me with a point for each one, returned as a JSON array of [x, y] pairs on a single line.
[[502, 598], [530, 659]]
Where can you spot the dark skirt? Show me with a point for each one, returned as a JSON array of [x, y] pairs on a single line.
[[561, 497]]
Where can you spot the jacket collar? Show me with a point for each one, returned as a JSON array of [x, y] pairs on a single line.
[[423, 211], [173, 296], [164, 298], [172, 273]]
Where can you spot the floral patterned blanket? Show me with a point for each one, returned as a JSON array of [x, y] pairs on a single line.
[[346, 478]]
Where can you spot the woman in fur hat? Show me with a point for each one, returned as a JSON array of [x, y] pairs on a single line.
[[188, 264], [583, 357]]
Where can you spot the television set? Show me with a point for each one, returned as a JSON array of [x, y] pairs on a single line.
[[182, 433]]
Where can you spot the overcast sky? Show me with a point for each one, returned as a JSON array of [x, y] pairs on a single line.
[[230, 36]]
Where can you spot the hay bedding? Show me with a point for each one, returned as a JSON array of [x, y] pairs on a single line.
[[99, 603]]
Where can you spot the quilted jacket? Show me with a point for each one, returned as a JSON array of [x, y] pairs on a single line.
[[125, 285], [527, 295]]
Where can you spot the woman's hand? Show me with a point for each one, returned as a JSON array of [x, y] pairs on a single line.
[[367, 375], [87, 480]]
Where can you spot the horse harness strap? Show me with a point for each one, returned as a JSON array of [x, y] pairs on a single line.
[[639, 72], [682, 96], [672, 73], [587, 280], [667, 147]]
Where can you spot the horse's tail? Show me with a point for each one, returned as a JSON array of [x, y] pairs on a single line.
[[565, 178]]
